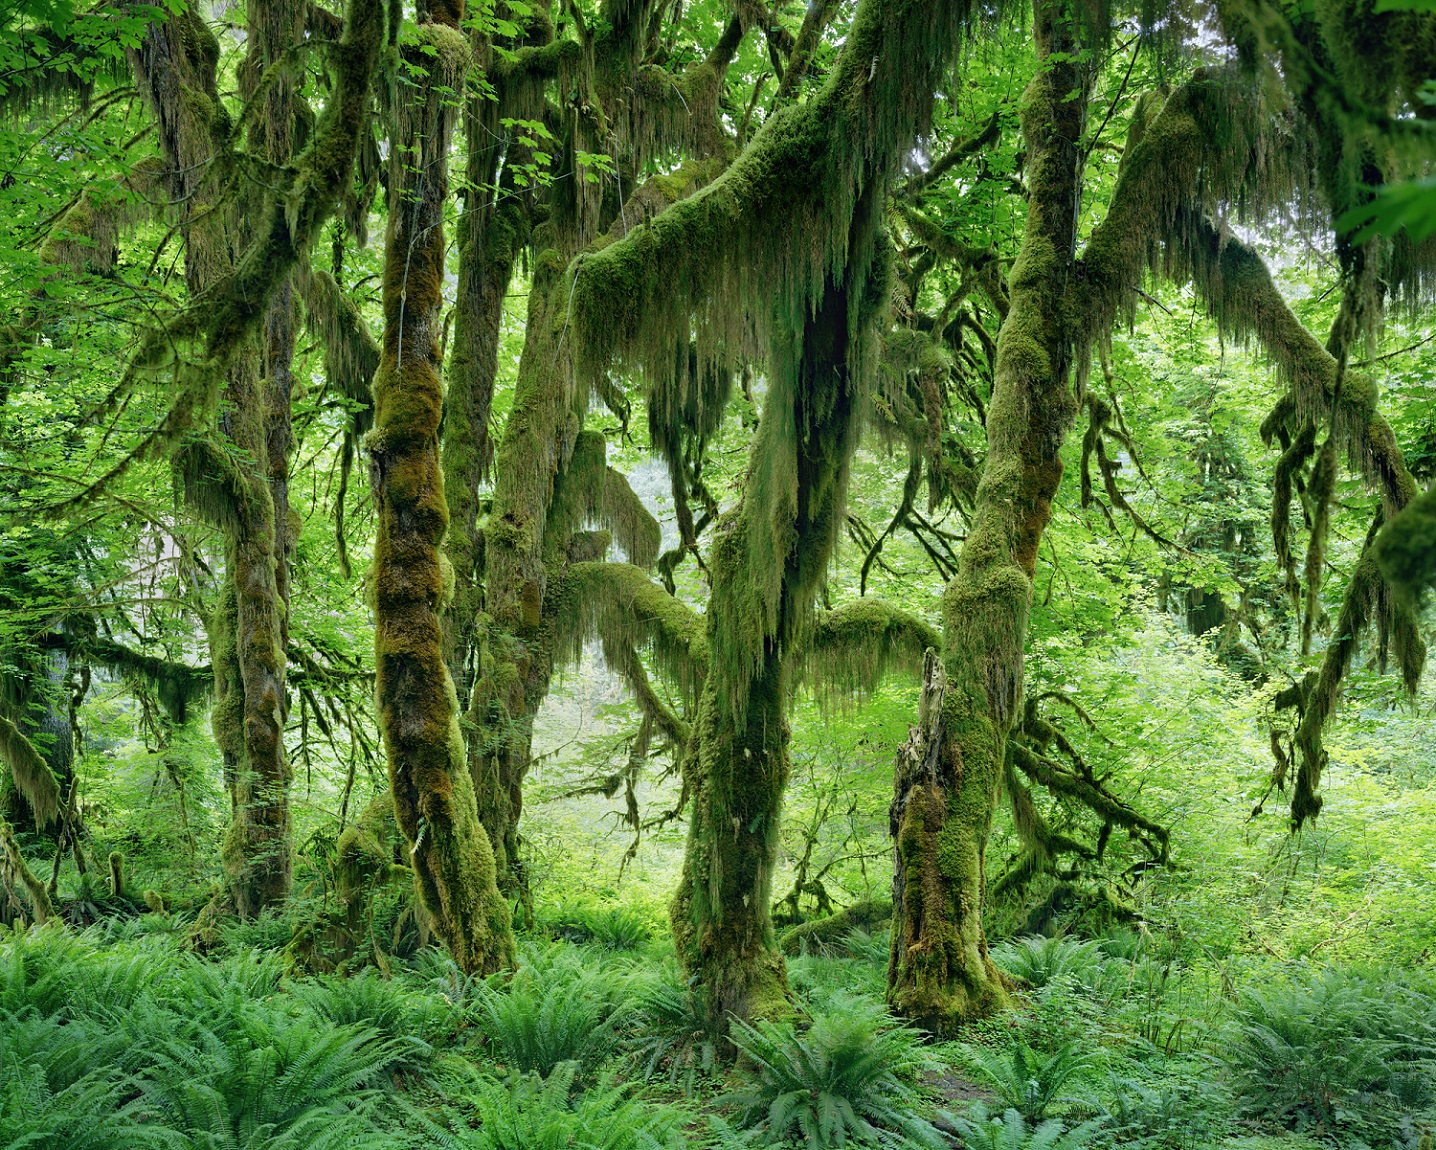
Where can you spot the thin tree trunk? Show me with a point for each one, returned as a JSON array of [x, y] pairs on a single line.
[[259, 846], [947, 782], [428, 769]]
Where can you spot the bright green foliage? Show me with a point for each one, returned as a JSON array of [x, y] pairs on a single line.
[[845, 1080], [984, 1130], [534, 1112], [1040, 961], [1026, 1081], [205, 1059]]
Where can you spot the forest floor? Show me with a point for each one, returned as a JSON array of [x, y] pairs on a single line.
[[118, 1036]]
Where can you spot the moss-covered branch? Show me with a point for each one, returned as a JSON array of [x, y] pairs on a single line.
[[854, 646], [33, 777], [619, 603]]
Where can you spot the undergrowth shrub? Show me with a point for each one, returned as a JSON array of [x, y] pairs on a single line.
[[1040, 960], [1179, 1111], [272, 1082], [848, 1078], [1338, 1052], [615, 927], [819, 977], [534, 1112], [55, 1091], [982, 1130]]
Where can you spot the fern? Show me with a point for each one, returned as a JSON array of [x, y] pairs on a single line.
[[1176, 1113], [673, 1032], [269, 1083], [844, 1080], [1337, 1051], [982, 1130], [532, 1112], [555, 1009], [1026, 1081], [615, 927], [409, 1019], [1041, 960]]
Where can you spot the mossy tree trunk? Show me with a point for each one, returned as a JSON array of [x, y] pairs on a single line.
[[947, 785], [412, 580], [736, 764], [259, 845], [177, 68]]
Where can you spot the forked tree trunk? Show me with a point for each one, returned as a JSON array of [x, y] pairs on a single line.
[[418, 709], [948, 778]]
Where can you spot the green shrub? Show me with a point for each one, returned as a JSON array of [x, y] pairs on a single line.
[[1334, 1051], [1179, 1112], [532, 1112], [615, 927], [820, 978], [845, 1079], [1026, 1081], [410, 1019], [58, 1088], [982, 1130]]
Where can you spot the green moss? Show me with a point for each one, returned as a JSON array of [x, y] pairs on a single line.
[[854, 646], [430, 783], [869, 914]]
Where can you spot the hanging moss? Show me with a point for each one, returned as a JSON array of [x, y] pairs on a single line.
[[15, 875], [177, 685], [853, 647], [32, 775], [618, 603]]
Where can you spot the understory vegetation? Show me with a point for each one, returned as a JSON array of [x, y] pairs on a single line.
[[638, 574]]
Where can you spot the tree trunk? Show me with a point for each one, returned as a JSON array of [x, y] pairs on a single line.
[[428, 770], [176, 67], [722, 923], [259, 847], [736, 764], [948, 778]]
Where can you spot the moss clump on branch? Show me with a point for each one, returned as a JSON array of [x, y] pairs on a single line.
[[869, 914]]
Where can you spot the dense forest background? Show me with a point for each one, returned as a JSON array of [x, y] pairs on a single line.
[[665, 573]]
